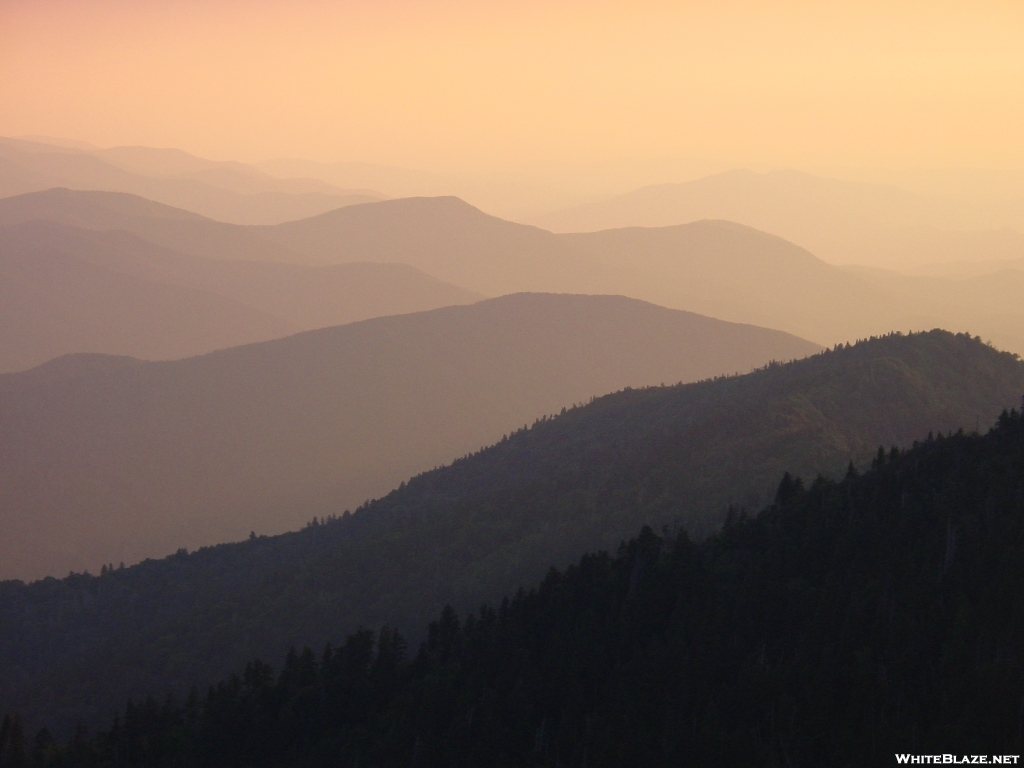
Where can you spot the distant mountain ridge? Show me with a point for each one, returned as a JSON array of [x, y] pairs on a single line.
[[112, 462], [843, 222], [67, 289], [221, 190], [486, 524], [717, 268], [53, 302]]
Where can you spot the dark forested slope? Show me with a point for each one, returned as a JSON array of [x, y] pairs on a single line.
[[849, 622], [490, 522]]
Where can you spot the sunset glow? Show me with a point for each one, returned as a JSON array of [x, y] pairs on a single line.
[[470, 86]]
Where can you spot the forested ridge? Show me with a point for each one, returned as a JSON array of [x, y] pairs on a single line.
[[76, 649], [849, 620], [264, 437]]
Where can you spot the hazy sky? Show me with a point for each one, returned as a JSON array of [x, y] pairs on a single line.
[[488, 85]]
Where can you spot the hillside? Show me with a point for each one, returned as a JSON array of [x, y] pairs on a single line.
[[125, 462], [478, 529], [847, 623], [718, 268], [224, 191], [68, 289]]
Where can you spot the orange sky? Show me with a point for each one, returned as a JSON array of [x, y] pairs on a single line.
[[490, 85]]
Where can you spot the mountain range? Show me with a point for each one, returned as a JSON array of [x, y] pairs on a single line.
[[65, 289], [676, 456], [226, 191], [970, 218], [108, 459], [717, 268], [821, 631], [255, 366], [843, 222]]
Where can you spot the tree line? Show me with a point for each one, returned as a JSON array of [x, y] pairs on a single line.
[[845, 621]]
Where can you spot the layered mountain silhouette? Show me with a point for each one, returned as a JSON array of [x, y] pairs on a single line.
[[831, 605], [843, 222], [221, 190], [160, 224], [674, 456], [839, 220], [717, 268], [68, 289], [107, 459], [52, 303]]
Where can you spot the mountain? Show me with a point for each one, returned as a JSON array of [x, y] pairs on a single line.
[[220, 190], [471, 531], [310, 297], [849, 623], [118, 461], [159, 224], [716, 268], [511, 194], [843, 222], [444, 233], [443, 236], [69, 289], [53, 301]]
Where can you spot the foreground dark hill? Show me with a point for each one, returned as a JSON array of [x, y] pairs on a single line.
[[859, 622], [717, 268], [489, 523], [69, 289], [107, 459]]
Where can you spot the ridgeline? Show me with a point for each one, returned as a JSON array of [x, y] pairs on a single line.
[[847, 622], [76, 649]]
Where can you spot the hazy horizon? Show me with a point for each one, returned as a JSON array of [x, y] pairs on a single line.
[[322, 317], [545, 91]]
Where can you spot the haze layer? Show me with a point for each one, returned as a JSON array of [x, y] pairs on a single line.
[[460, 85]]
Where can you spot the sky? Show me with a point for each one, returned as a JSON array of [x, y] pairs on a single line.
[[484, 86]]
